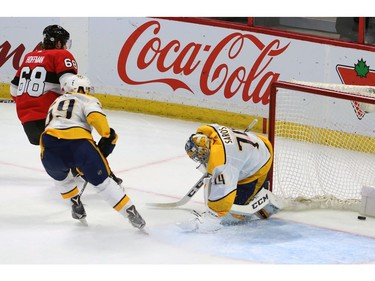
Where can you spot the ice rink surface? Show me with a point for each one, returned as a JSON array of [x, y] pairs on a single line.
[[37, 230]]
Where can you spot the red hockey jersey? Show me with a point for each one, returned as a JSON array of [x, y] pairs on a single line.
[[37, 82]]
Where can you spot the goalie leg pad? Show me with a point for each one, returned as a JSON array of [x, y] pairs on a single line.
[[264, 199]]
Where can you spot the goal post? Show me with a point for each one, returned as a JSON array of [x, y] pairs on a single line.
[[324, 143]]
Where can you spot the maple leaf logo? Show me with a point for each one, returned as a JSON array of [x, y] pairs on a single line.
[[361, 68], [360, 74]]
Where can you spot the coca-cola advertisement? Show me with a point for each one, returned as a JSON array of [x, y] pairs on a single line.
[[190, 64]]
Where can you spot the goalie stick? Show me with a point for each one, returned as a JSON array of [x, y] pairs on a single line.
[[252, 124], [195, 188], [263, 198], [184, 199]]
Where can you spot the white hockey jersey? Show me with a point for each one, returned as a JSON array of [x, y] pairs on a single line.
[[235, 158], [73, 116]]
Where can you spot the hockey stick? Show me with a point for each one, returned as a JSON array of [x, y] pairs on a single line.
[[262, 199], [252, 124], [112, 176], [6, 101], [195, 188], [184, 199], [116, 179], [83, 188]]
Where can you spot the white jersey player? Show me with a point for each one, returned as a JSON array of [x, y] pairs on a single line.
[[237, 164], [67, 143]]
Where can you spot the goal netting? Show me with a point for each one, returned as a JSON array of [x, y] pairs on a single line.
[[324, 144]]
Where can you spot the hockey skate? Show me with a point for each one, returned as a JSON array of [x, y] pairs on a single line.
[[135, 218], [78, 211]]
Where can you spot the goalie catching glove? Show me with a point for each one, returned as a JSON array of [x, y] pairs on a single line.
[[106, 145], [207, 222]]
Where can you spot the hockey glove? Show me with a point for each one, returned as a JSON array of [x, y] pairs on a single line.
[[116, 179], [106, 145], [207, 222]]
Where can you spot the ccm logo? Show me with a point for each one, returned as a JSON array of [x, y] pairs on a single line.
[[260, 201], [196, 188]]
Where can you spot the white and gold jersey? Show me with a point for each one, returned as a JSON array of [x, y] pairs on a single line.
[[73, 116], [235, 158]]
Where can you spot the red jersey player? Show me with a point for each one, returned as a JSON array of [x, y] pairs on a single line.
[[37, 81]]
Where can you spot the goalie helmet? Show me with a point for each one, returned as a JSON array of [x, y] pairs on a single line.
[[78, 84], [197, 147], [54, 33]]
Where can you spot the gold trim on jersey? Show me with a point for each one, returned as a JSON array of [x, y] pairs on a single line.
[[69, 133], [100, 123], [223, 205]]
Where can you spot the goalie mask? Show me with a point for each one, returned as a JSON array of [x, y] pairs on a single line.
[[197, 147], [78, 84]]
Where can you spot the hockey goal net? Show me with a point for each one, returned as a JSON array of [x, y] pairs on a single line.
[[324, 144]]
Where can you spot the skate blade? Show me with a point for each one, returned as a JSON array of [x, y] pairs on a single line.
[[144, 230], [84, 222]]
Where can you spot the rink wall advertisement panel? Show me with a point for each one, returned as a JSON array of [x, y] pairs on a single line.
[[146, 62]]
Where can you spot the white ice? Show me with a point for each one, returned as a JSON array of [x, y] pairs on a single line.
[[36, 227]]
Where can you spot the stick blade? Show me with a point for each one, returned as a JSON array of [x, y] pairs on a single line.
[[175, 204], [163, 205]]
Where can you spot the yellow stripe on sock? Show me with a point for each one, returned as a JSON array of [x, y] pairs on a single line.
[[121, 203], [70, 194]]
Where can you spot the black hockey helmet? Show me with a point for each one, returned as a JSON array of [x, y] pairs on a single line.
[[54, 33]]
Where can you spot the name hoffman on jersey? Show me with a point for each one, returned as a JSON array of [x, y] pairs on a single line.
[[35, 59], [224, 133]]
